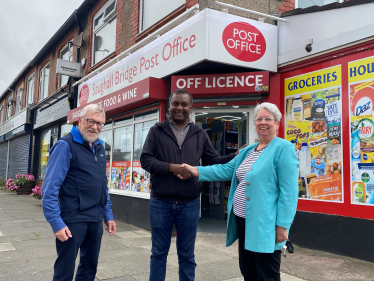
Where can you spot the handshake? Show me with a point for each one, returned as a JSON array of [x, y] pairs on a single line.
[[183, 171]]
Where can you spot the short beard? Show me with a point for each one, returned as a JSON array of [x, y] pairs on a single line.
[[89, 139]]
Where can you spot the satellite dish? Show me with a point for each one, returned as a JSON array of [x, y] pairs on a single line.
[[98, 42]]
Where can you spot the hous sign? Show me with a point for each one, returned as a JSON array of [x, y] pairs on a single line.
[[69, 68]]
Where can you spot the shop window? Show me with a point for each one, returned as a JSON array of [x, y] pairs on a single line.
[[10, 108], [48, 138], [30, 89], [141, 177], [65, 54], [106, 137], [65, 129], [151, 11], [125, 172], [104, 32], [44, 79], [308, 3], [19, 99], [123, 121], [45, 146], [147, 115]]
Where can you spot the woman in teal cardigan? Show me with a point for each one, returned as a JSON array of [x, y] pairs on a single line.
[[263, 196]]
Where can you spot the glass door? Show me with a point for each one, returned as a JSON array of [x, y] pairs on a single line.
[[228, 128], [243, 131]]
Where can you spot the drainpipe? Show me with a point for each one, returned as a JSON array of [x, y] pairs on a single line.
[[74, 100], [79, 32]]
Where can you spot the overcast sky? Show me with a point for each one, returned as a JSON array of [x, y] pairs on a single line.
[[25, 27]]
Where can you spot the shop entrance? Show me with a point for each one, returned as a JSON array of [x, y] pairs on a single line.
[[228, 128]]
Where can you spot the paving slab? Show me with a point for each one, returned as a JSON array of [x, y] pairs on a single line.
[[126, 255], [21, 237], [6, 247]]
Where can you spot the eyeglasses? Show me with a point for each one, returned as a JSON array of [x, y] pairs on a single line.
[[267, 119], [91, 122]]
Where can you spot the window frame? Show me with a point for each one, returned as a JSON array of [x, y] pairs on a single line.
[[131, 123], [106, 20], [19, 94], [31, 77], [42, 95], [297, 3], [70, 51], [141, 16], [9, 108]]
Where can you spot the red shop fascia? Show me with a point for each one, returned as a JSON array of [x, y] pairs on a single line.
[[225, 89], [146, 95], [353, 61]]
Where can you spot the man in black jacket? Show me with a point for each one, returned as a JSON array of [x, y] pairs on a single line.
[[169, 144]]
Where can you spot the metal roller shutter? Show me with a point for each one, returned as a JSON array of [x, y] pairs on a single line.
[[19, 149], [3, 159]]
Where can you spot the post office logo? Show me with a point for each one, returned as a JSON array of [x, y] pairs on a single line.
[[244, 41], [84, 94]]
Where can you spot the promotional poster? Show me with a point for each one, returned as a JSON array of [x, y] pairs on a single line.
[[313, 124], [361, 97], [122, 179]]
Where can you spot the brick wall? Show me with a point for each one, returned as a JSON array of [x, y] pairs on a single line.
[[287, 6]]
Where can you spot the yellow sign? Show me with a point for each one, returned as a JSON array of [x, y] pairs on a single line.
[[313, 81], [361, 70]]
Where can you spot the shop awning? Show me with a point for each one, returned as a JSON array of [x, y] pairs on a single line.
[[209, 35]]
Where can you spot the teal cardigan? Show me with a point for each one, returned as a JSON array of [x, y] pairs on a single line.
[[271, 195]]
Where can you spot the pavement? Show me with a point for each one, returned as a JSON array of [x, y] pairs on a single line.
[[27, 252]]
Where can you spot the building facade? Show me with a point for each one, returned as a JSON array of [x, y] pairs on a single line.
[[135, 53]]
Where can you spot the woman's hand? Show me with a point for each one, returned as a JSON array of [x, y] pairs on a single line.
[[192, 169], [280, 234]]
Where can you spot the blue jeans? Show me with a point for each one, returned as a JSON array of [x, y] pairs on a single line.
[[162, 217]]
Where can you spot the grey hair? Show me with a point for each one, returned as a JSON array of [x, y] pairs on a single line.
[[94, 108], [272, 108]]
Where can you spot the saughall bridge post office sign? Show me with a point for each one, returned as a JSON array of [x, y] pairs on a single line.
[[209, 35]]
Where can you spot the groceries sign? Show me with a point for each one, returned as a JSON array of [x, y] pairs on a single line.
[[209, 35]]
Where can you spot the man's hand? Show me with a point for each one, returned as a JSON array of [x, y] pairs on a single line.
[[182, 172], [237, 152], [280, 234], [192, 169], [63, 234], [111, 227]]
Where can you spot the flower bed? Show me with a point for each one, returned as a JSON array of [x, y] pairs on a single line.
[[37, 192], [22, 184]]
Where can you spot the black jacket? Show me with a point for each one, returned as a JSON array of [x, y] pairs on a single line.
[[161, 149]]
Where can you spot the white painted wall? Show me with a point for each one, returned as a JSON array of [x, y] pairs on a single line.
[[328, 29]]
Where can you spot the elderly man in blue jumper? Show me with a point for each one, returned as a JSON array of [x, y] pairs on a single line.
[[76, 197]]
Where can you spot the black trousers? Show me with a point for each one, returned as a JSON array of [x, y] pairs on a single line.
[[257, 266], [86, 238]]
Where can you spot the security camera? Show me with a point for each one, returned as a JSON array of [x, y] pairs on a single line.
[[308, 48]]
